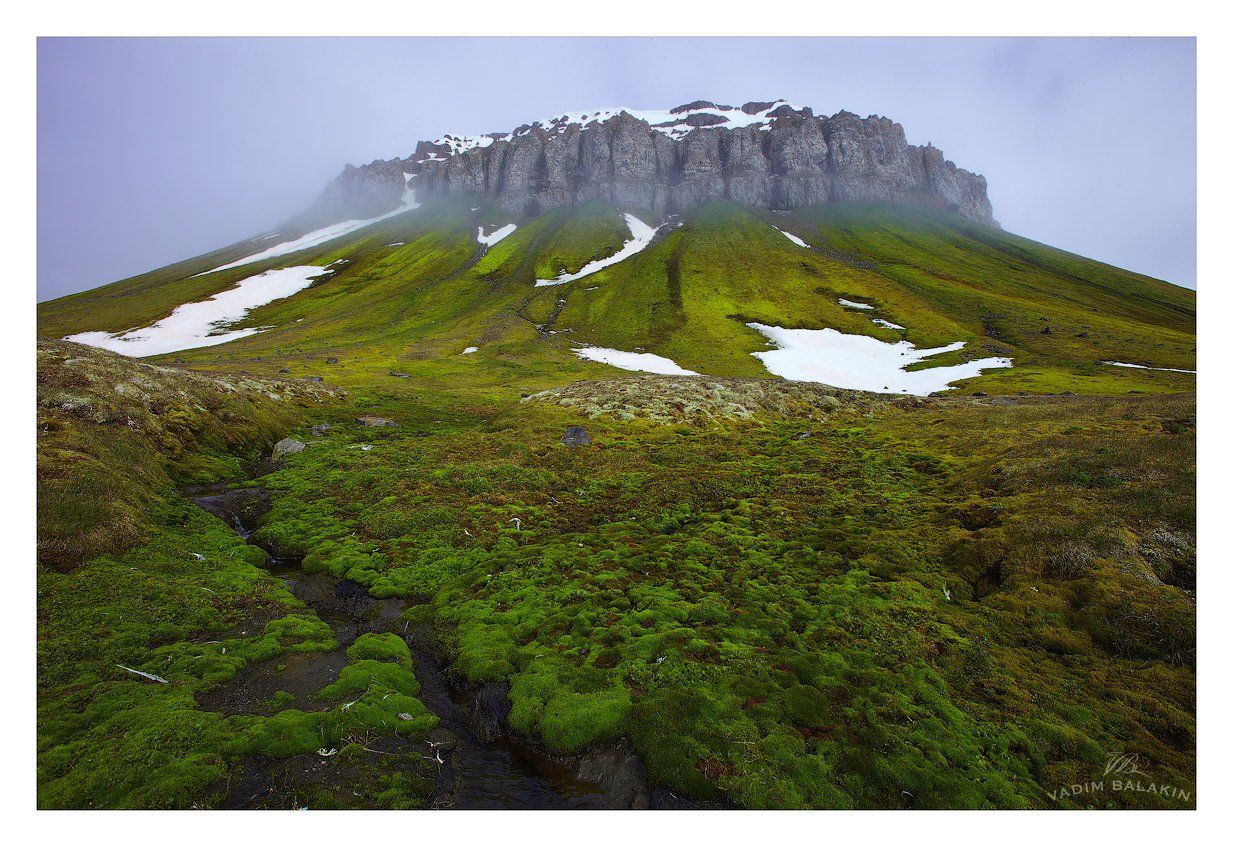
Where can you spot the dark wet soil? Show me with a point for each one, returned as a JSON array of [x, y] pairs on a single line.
[[478, 762]]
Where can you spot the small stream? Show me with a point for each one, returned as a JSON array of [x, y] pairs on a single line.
[[483, 764]]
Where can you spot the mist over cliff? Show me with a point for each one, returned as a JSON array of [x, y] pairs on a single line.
[[769, 154]]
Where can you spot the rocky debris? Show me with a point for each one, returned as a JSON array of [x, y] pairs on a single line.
[[792, 159], [331, 360], [285, 448], [576, 436], [109, 388], [284, 370], [373, 420], [312, 379], [669, 399], [320, 429], [400, 374]]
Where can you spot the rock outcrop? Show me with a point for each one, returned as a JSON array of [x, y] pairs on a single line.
[[768, 154], [285, 448]]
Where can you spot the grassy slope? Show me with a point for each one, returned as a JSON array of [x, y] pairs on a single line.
[[792, 587], [943, 279], [413, 307], [132, 574]]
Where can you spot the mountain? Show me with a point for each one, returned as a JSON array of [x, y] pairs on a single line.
[[687, 459], [771, 155], [749, 241]]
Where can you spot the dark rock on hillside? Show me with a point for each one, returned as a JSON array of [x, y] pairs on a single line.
[[576, 436], [790, 158], [373, 420]]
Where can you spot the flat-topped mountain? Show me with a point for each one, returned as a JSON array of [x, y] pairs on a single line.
[[769, 154], [712, 240], [707, 457]]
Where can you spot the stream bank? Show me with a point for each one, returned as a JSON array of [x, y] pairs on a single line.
[[473, 757]]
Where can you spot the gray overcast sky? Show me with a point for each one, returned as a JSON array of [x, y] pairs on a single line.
[[154, 150]]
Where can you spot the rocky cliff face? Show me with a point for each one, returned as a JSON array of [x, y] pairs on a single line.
[[769, 154]]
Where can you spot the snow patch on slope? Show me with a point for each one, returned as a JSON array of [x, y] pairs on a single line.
[[794, 239], [198, 324], [852, 304], [496, 235], [1147, 368], [318, 236], [648, 362], [640, 237], [861, 362]]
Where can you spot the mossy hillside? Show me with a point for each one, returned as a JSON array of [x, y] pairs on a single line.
[[721, 593], [950, 603], [562, 240], [767, 615], [133, 575], [688, 296], [413, 307], [1010, 289], [389, 281], [114, 435], [193, 607]]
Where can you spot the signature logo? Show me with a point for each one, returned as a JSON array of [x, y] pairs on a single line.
[[1121, 770], [1123, 763]]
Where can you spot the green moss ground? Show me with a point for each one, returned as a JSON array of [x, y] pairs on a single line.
[[946, 603]]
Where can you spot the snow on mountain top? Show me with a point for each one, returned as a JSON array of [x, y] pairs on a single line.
[[675, 123]]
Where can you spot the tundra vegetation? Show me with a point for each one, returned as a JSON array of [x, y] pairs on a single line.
[[782, 595]]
